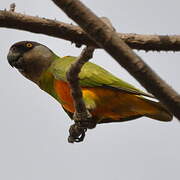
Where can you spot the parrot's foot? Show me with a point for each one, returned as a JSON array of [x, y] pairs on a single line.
[[77, 133], [84, 120]]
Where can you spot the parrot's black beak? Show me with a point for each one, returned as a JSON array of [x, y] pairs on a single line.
[[14, 58]]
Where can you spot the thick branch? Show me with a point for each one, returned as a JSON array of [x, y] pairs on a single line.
[[108, 39], [49, 27], [75, 34]]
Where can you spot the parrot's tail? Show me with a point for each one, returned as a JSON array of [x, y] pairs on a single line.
[[161, 113]]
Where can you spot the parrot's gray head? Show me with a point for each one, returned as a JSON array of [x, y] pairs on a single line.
[[30, 58]]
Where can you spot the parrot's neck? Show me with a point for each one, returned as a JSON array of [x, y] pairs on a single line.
[[35, 71], [46, 83]]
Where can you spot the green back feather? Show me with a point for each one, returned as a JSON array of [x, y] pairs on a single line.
[[92, 75]]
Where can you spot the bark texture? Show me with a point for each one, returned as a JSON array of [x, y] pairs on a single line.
[[34, 24]]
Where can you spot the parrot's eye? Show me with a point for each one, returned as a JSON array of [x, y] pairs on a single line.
[[29, 45]]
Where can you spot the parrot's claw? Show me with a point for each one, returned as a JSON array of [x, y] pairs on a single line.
[[77, 133], [84, 120], [81, 116]]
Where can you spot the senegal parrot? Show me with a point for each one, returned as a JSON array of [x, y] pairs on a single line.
[[108, 98]]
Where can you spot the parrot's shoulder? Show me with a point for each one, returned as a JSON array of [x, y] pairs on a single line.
[[60, 66]]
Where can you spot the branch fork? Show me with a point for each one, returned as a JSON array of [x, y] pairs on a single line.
[[109, 40]]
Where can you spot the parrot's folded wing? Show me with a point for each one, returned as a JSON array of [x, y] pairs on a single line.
[[92, 75]]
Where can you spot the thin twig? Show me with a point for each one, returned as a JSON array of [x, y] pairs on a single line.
[[75, 34], [73, 79], [82, 117], [108, 39]]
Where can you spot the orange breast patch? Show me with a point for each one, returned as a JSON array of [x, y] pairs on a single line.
[[63, 91]]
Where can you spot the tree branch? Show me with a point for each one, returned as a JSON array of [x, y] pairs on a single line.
[[82, 117], [73, 79], [108, 39], [10, 19]]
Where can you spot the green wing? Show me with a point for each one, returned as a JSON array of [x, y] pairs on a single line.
[[92, 75]]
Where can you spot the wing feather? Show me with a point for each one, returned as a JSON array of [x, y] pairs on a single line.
[[93, 75]]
